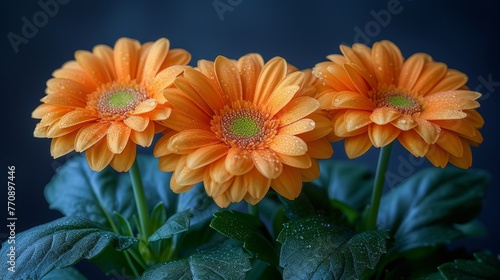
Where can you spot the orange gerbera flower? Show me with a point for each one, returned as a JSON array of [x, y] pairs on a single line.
[[376, 97], [109, 100], [242, 127]]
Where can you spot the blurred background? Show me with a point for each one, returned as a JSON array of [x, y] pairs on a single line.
[[463, 34]]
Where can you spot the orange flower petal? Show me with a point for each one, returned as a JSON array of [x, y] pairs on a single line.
[[322, 127], [78, 76], [105, 54], [356, 119], [118, 137], [145, 106], [63, 100], [382, 135], [384, 115], [205, 155], [410, 72], [321, 149], [144, 138], [437, 156], [284, 92], [444, 114], [356, 146], [298, 127], [123, 161], [288, 145], [413, 143], [452, 80], [427, 130], [297, 109], [289, 183], [126, 58], [238, 161], [351, 100], [404, 122], [452, 100], [205, 89], [302, 161], [93, 66], [387, 62], [465, 161], [258, 185], [98, 155], [180, 121], [90, 135], [249, 67], [267, 163], [192, 139], [137, 123], [63, 145], [431, 74], [76, 117], [218, 171], [215, 188], [229, 78], [312, 173], [185, 176], [154, 59], [222, 200], [160, 113], [164, 79], [176, 57], [272, 73], [451, 143], [168, 162]]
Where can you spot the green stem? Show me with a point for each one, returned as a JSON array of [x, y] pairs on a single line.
[[378, 186], [253, 210], [140, 201]]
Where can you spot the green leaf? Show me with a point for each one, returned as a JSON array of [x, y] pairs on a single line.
[[76, 190], [486, 266], [248, 229], [426, 209], [58, 244], [69, 273], [349, 183], [314, 248], [177, 223], [220, 262]]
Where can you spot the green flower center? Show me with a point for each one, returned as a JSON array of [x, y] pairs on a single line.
[[244, 127], [400, 101], [241, 124], [397, 98], [119, 101]]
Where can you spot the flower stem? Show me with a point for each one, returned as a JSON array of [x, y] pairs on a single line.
[[140, 200], [378, 186], [253, 210]]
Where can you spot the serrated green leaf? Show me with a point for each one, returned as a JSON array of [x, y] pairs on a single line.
[[314, 248], [423, 210], [220, 262], [486, 266], [177, 223], [69, 273], [247, 229], [59, 244], [346, 182]]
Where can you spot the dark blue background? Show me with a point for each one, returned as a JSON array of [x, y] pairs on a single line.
[[463, 35]]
